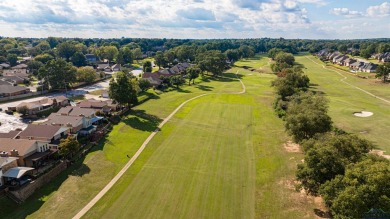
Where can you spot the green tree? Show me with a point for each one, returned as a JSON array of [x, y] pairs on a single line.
[[342, 48], [273, 52], [78, 59], [68, 147], [44, 58], [12, 59], [193, 73], [58, 74], [127, 55], [364, 185], [177, 80], [160, 59], [212, 61], [44, 46], [108, 52], [137, 54], [119, 58], [327, 156], [147, 66], [33, 66], [66, 50], [246, 51], [86, 74], [306, 116], [383, 71], [121, 90], [233, 54], [53, 42], [283, 57], [291, 84], [144, 84]]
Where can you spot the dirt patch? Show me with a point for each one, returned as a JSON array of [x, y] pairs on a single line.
[[380, 153], [363, 114], [292, 147]]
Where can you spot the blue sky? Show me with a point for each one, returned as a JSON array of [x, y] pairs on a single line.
[[305, 19]]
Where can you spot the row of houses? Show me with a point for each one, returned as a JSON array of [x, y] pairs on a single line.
[[382, 57], [23, 151], [11, 76], [344, 60], [155, 77]]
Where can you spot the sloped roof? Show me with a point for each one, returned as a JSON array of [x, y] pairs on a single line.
[[56, 119], [21, 145], [10, 134], [40, 131], [9, 89], [76, 111]]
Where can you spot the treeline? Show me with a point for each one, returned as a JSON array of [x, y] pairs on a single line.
[[337, 165]]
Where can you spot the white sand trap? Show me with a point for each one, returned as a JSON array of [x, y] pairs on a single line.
[[363, 114]]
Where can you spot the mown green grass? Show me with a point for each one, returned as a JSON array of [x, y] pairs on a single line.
[[345, 100], [221, 156]]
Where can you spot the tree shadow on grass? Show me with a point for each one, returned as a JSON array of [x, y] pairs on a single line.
[[233, 75], [142, 121], [183, 91], [204, 87]]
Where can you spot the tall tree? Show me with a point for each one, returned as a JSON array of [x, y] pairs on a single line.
[[212, 61], [177, 80], [147, 66], [78, 59], [108, 52], [44, 58], [383, 71], [66, 50], [85, 74], [327, 156], [307, 116], [58, 74], [160, 59], [193, 73], [68, 147], [364, 186], [12, 59], [122, 91], [137, 53]]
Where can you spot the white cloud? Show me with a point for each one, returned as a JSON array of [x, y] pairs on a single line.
[[346, 12], [381, 10]]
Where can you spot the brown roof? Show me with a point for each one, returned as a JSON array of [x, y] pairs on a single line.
[[39, 131], [22, 145], [37, 103], [92, 103], [76, 111], [9, 89], [56, 119], [11, 134], [60, 98]]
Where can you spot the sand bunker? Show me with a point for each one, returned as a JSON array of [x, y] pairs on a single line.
[[363, 114]]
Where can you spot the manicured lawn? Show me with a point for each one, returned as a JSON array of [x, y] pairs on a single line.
[[221, 156], [345, 100]]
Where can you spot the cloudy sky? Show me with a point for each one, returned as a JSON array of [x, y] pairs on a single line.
[[309, 19]]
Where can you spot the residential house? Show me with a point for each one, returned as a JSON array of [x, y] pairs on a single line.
[[44, 133], [100, 105], [91, 58], [82, 119], [6, 163], [9, 90], [368, 67], [74, 123], [29, 153], [102, 66], [5, 65], [323, 53], [37, 106], [10, 134], [14, 79], [349, 61], [356, 65], [20, 66], [153, 78], [116, 67], [331, 56], [340, 59]]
